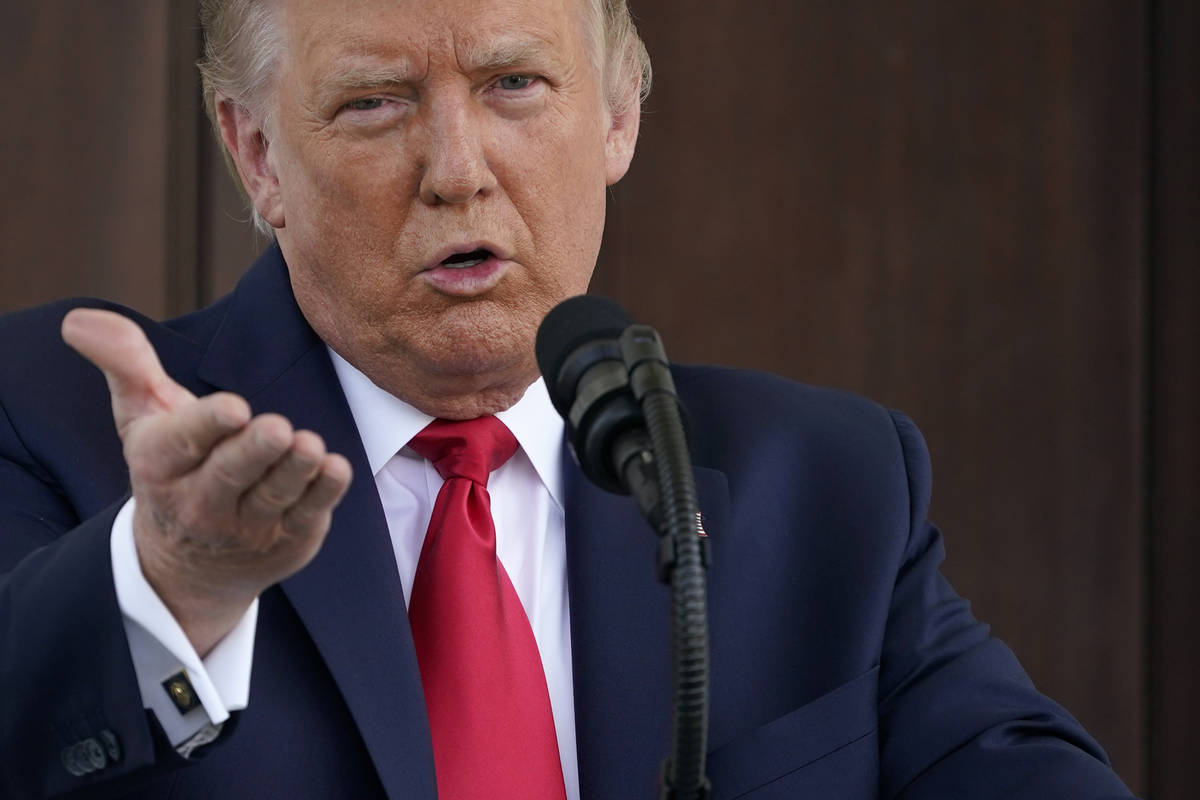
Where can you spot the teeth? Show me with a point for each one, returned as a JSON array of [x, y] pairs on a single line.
[[464, 260]]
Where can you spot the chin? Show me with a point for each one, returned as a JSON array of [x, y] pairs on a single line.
[[479, 341], [465, 382], [480, 370]]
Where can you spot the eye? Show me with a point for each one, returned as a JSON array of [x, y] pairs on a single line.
[[364, 104], [513, 83]]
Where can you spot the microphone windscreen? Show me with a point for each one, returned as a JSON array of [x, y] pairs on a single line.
[[574, 322]]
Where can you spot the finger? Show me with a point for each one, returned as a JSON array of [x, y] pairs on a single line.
[[311, 513], [284, 483], [121, 350], [240, 461], [171, 445]]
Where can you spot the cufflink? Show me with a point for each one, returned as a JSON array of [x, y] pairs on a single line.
[[180, 690]]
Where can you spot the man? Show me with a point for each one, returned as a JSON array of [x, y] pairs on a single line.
[[435, 174]]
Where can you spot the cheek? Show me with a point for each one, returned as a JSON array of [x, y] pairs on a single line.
[[330, 181], [560, 189], [342, 215]]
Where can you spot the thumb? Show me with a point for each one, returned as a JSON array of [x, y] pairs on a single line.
[[116, 345]]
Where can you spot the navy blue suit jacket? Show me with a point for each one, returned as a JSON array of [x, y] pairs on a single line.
[[843, 665]]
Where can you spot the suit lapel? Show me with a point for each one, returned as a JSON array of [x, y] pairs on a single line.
[[350, 597], [621, 634]]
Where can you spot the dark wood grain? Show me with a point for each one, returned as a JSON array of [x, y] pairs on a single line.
[[1174, 466], [185, 113], [83, 151]]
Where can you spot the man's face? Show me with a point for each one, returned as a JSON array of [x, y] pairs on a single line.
[[436, 172]]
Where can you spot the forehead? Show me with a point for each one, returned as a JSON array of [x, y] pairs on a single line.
[[323, 34]]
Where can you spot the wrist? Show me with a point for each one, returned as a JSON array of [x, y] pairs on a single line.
[[205, 606]]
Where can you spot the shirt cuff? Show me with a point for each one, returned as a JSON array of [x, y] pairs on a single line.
[[161, 650]]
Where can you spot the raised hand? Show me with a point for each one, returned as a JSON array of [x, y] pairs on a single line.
[[226, 504]]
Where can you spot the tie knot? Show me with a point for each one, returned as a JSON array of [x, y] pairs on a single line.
[[465, 448]]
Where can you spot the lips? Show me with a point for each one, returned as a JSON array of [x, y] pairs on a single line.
[[467, 253], [467, 270]]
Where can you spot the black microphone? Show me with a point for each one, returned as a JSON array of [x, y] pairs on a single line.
[[579, 353], [610, 380]]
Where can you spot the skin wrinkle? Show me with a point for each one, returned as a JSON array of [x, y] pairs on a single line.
[[362, 201], [484, 62], [244, 46]]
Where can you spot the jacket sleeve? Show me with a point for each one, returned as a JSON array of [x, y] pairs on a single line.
[[71, 715], [958, 715]]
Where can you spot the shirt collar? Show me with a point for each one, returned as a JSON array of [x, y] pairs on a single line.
[[386, 424]]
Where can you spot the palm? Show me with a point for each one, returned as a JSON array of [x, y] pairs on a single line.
[[226, 503]]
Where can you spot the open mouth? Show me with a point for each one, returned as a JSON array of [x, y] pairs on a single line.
[[464, 260]]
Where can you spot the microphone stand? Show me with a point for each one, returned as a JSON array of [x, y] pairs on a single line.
[[661, 481]]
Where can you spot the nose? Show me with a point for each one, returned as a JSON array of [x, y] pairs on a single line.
[[456, 166]]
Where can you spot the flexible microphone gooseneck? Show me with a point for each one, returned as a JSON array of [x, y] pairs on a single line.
[[610, 380]]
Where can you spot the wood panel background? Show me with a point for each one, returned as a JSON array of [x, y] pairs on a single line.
[[980, 214], [83, 151], [1173, 468]]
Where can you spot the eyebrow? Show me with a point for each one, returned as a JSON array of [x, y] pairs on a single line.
[[360, 77], [488, 56], [505, 53]]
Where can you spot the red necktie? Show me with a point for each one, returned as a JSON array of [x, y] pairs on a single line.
[[489, 709]]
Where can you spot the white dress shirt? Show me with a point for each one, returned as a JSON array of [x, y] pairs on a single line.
[[527, 506]]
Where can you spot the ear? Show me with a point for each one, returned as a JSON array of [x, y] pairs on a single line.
[[248, 147], [622, 135]]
